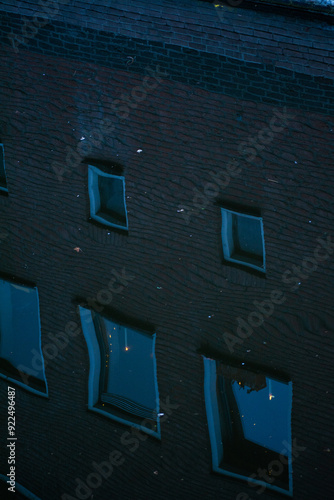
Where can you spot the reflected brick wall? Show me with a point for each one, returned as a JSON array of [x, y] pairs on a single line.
[[77, 80]]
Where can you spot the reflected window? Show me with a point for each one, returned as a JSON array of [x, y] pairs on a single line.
[[107, 198], [20, 337], [3, 181], [122, 379], [242, 239], [21, 493], [249, 418]]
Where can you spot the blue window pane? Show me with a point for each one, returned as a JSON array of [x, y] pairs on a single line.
[[255, 421], [19, 331], [122, 381], [3, 182], [249, 419], [130, 369], [107, 198], [247, 235], [112, 200], [264, 416], [242, 239]]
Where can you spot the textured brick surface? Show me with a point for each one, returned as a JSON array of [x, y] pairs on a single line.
[[212, 29], [185, 131], [215, 72]]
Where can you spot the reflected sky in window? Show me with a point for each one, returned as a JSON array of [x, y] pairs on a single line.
[[131, 364], [19, 324], [265, 414]]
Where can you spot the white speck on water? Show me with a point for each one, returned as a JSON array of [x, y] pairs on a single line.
[[242, 363], [264, 342], [296, 162], [300, 283], [159, 287], [160, 414], [209, 317], [248, 350], [78, 195], [309, 221], [82, 138], [108, 233], [139, 150], [190, 235], [181, 210]]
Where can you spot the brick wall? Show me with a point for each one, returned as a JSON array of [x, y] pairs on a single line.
[[53, 98], [211, 71], [284, 39]]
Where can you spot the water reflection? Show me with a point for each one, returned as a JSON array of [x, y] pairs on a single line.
[[20, 335], [127, 380], [123, 378], [249, 416], [178, 114]]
